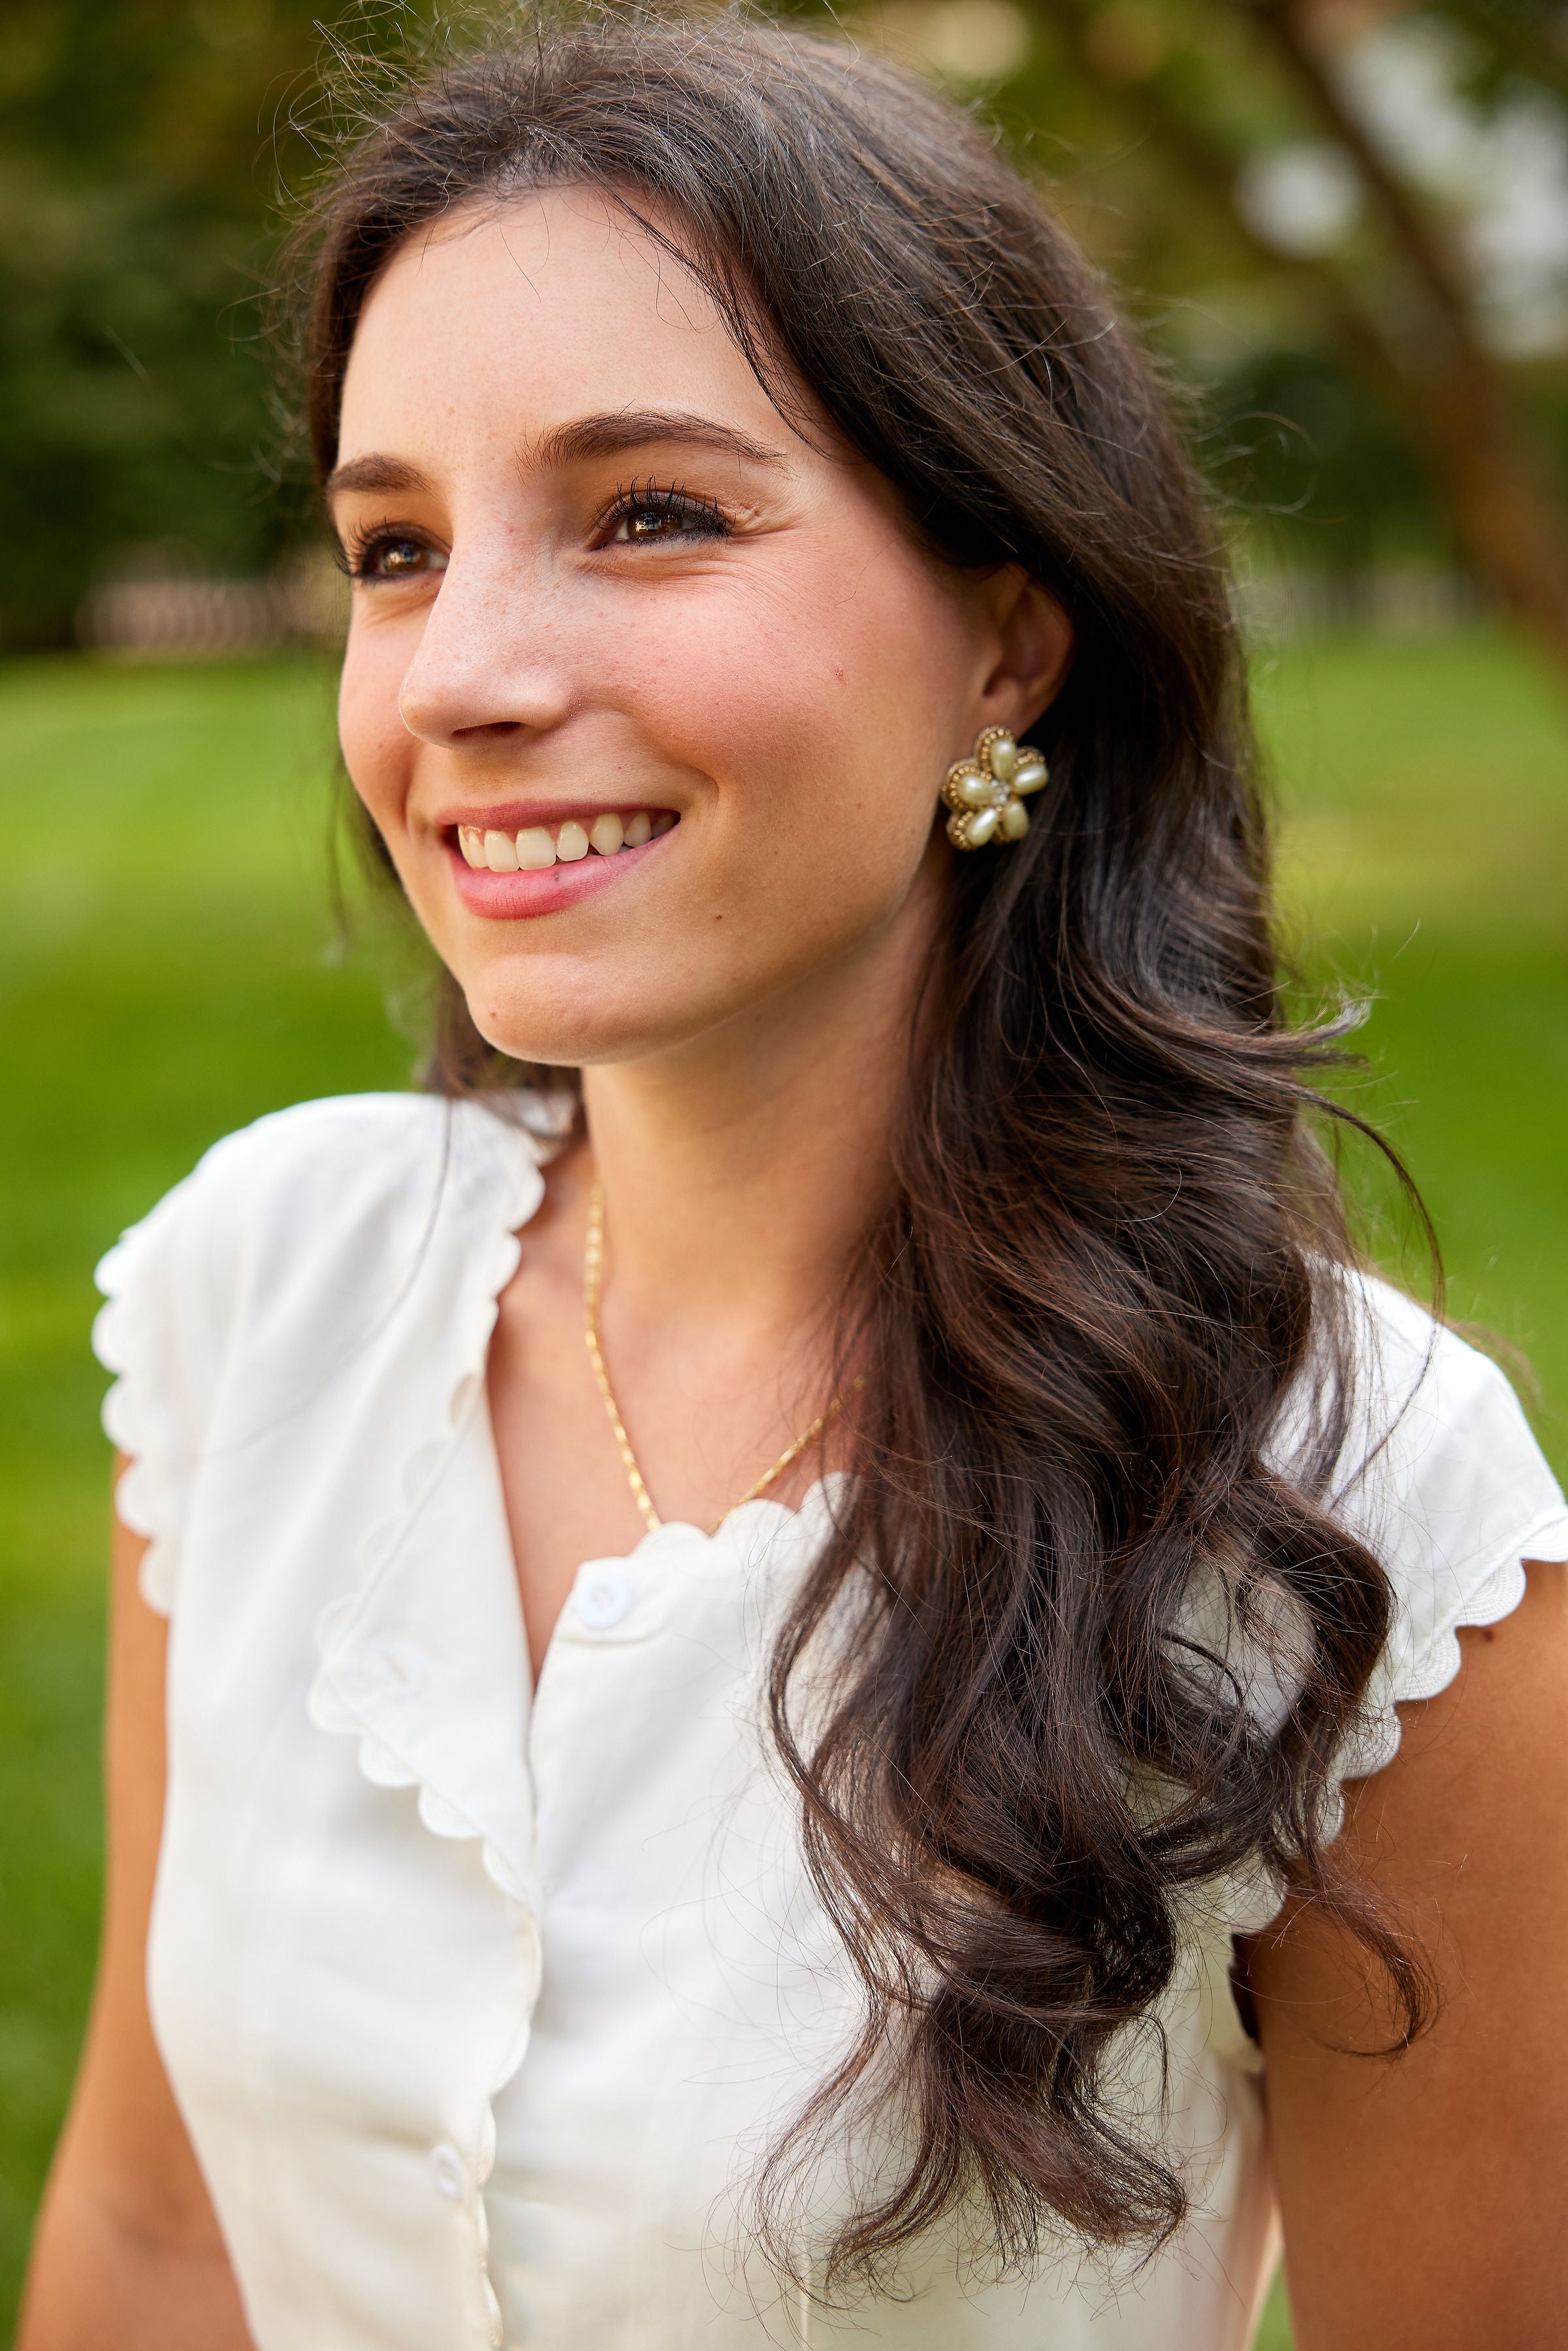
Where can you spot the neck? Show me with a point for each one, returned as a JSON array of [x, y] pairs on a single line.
[[741, 1172]]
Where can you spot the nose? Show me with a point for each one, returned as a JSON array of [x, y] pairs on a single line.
[[487, 664]]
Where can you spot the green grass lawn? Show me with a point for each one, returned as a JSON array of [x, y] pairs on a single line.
[[167, 967]]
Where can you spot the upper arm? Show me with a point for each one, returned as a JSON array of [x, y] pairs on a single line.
[[124, 2141], [1423, 2196]]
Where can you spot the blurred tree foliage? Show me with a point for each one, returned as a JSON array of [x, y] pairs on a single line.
[[1400, 243], [147, 143], [142, 147]]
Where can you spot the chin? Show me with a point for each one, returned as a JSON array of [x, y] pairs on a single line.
[[566, 1040]]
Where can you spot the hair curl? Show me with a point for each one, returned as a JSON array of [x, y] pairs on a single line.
[[1111, 1243]]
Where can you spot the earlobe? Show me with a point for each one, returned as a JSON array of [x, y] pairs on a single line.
[[1034, 648]]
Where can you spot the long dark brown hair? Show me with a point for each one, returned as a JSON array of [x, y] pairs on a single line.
[[1112, 1246]]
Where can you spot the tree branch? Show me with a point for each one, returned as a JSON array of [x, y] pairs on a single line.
[[1459, 406], [1414, 230]]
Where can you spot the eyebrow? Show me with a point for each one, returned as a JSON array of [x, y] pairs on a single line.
[[605, 435], [375, 472], [608, 434]]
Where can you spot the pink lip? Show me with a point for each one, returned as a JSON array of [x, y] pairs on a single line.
[[513, 897]]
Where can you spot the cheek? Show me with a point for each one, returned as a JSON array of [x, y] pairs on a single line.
[[375, 742], [820, 695], [841, 719]]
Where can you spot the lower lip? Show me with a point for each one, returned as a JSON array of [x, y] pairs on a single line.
[[514, 897]]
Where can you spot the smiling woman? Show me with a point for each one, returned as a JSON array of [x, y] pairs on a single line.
[[875, 1139]]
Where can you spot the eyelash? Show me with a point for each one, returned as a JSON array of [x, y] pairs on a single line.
[[360, 545]]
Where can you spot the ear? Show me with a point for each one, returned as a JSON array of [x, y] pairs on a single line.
[[1029, 651]]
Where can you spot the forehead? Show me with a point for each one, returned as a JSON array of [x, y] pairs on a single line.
[[510, 316]]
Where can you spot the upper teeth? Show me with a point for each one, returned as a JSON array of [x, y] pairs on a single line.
[[535, 846]]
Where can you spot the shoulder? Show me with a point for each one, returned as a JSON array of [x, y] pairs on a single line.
[[1441, 1475], [299, 1180], [294, 1180], [377, 1143], [290, 1221], [1434, 1429], [1405, 1358]]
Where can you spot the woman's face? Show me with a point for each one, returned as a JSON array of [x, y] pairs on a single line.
[[649, 695]]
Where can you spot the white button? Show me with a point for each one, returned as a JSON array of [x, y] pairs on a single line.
[[603, 1598], [449, 2170]]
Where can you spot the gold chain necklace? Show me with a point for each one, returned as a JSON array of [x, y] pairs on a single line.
[[592, 1283]]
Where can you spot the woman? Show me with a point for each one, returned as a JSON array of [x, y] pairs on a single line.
[[592, 1909]]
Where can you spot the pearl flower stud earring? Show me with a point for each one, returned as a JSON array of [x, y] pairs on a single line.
[[986, 793]]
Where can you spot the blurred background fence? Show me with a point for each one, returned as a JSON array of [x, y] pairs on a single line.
[[1343, 225]]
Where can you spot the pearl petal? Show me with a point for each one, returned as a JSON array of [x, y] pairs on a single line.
[[1013, 822], [1032, 774], [978, 828], [975, 791], [1003, 754]]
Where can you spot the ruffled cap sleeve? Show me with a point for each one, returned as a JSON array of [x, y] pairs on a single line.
[[154, 1334], [1442, 1480], [1448, 1487]]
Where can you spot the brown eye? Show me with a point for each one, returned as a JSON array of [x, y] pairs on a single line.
[[398, 559], [402, 555], [657, 522]]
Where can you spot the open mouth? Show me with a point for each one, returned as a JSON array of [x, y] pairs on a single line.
[[603, 833]]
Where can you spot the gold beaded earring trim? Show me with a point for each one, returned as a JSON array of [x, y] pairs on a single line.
[[987, 793]]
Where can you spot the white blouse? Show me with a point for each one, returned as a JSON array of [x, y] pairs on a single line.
[[483, 2007]]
